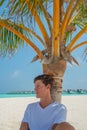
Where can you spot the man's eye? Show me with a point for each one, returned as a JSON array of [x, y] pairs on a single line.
[[38, 86]]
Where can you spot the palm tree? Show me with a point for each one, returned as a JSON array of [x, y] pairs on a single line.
[[51, 27]]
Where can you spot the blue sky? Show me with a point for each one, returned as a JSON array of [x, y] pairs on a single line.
[[17, 73]]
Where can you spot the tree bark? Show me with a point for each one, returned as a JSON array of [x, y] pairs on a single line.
[[56, 68]]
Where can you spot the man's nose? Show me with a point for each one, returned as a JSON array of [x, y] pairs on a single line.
[[35, 88]]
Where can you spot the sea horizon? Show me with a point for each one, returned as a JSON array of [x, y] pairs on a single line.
[[17, 94]]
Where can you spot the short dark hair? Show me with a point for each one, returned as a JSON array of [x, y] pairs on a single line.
[[45, 78]]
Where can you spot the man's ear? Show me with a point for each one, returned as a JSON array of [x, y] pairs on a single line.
[[49, 86]]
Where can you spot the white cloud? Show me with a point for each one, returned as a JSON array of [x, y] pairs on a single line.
[[16, 74]]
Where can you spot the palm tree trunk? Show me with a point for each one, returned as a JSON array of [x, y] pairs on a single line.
[[56, 91], [56, 68]]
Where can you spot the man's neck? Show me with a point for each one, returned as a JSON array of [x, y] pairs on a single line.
[[45, 102]]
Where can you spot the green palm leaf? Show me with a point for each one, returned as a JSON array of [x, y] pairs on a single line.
[[9, 42]]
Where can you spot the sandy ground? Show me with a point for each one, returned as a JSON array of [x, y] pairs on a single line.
[[12, 110]]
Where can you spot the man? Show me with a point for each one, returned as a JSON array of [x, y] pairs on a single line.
[[45, 114]]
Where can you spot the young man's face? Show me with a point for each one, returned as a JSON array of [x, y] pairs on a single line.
[[41, 89]]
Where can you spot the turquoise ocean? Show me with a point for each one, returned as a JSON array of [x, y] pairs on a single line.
[[3, 95]]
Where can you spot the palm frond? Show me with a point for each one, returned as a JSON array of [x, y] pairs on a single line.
[[9, 42], [85, 55], [18, 12], [1, 2], [81, 17], [78, 20]]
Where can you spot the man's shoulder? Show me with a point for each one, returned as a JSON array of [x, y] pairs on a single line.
[[34, 104], [59, 105]]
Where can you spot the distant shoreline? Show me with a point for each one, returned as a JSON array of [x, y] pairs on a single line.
[[65, 91], [16, 95]]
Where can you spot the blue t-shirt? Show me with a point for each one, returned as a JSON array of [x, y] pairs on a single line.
[[39, 118]]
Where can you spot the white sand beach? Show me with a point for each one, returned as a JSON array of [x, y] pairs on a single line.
[[12, 109]]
